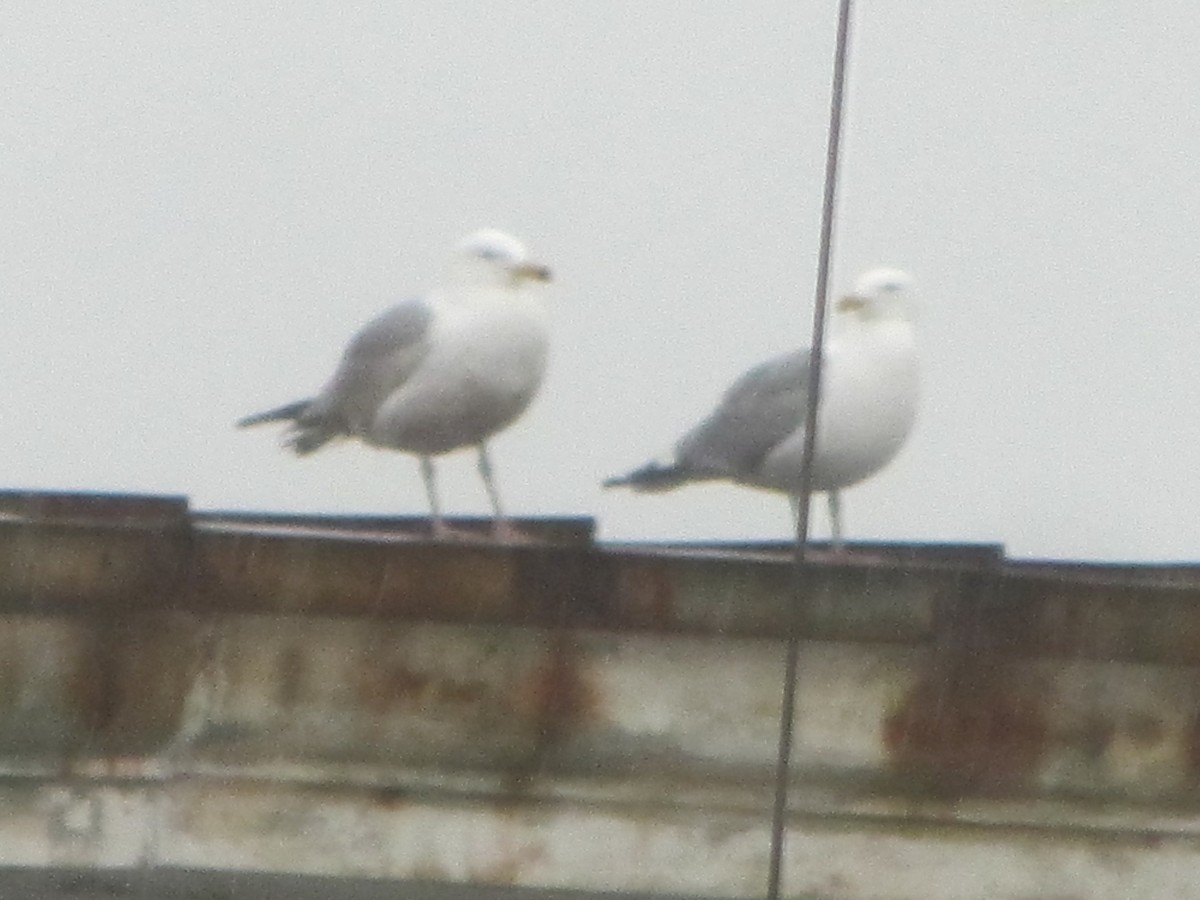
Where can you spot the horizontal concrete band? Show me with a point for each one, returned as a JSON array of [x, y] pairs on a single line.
[[519, 702], [204, 824], [968, 597]]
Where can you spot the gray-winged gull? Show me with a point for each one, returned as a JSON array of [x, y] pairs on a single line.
[[869, 389], [440, 371]]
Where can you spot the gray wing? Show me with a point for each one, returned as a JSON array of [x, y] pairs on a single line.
[[379, 358], [759, 410]]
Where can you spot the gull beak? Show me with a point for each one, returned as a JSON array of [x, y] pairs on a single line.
[[531, 272], [851, 304]]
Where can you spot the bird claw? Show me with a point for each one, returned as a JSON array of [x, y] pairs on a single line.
[[502, 532], [839, 554], [505, 532], [440, 531]]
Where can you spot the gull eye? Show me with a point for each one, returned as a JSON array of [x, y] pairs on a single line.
[[491, 254]]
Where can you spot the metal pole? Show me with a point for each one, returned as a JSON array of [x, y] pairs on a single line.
[[800, 557]]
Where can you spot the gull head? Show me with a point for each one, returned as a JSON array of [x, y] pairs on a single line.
[[491, 258], [879, 294]]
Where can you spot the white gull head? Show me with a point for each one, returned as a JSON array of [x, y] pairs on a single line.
[[492, 258], [879, 294]]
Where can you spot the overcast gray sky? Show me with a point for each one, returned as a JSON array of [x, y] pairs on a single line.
[[203, 201]]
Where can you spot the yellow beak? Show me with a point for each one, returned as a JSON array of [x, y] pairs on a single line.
[[532, 272]]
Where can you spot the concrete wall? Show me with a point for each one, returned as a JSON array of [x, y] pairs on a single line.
[[345, 698]]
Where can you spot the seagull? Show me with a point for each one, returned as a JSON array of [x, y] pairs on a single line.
[[438, 372], [868, 405]]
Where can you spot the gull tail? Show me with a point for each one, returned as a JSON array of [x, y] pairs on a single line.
[[653, 477], [310, 430], [289, 413]]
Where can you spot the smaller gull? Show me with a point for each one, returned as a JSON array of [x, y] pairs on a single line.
[[755, 436], [438, 372]]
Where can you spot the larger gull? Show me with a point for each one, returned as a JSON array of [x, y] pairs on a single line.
[[755, 436], [438, 372]]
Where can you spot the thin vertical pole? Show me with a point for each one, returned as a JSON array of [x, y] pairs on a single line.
[[803, 500]]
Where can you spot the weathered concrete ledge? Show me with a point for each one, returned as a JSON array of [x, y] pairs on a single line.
[[342, 696]]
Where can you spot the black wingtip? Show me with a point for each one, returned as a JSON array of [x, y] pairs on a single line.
[[651, 477], [287, 413]]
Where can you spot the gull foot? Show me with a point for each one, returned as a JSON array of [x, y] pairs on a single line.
[[505, 532], [440, 531]]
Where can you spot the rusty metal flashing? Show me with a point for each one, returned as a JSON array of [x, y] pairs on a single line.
[[101, 554]]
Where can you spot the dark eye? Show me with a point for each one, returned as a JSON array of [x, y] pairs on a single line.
[[491, 254]]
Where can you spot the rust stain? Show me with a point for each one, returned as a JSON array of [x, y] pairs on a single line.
[[292, 665], [971, 728], [557, 701], [647, 593], [555, 696], [392, 797], [399, 686], [1147, 730], [1193, 747], [95, 681], [1095, 735], [129, 681]]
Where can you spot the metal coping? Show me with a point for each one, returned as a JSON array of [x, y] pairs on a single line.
[[172, 513]]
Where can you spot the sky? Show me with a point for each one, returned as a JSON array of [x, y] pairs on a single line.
[[202, 202]]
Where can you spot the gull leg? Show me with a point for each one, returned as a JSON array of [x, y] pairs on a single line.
[[836, 547], [835, 522], [489, 483], [429, 476], [502, 529]]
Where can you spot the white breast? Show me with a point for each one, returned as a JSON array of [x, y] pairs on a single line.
[[869, 395], [485, 363]]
